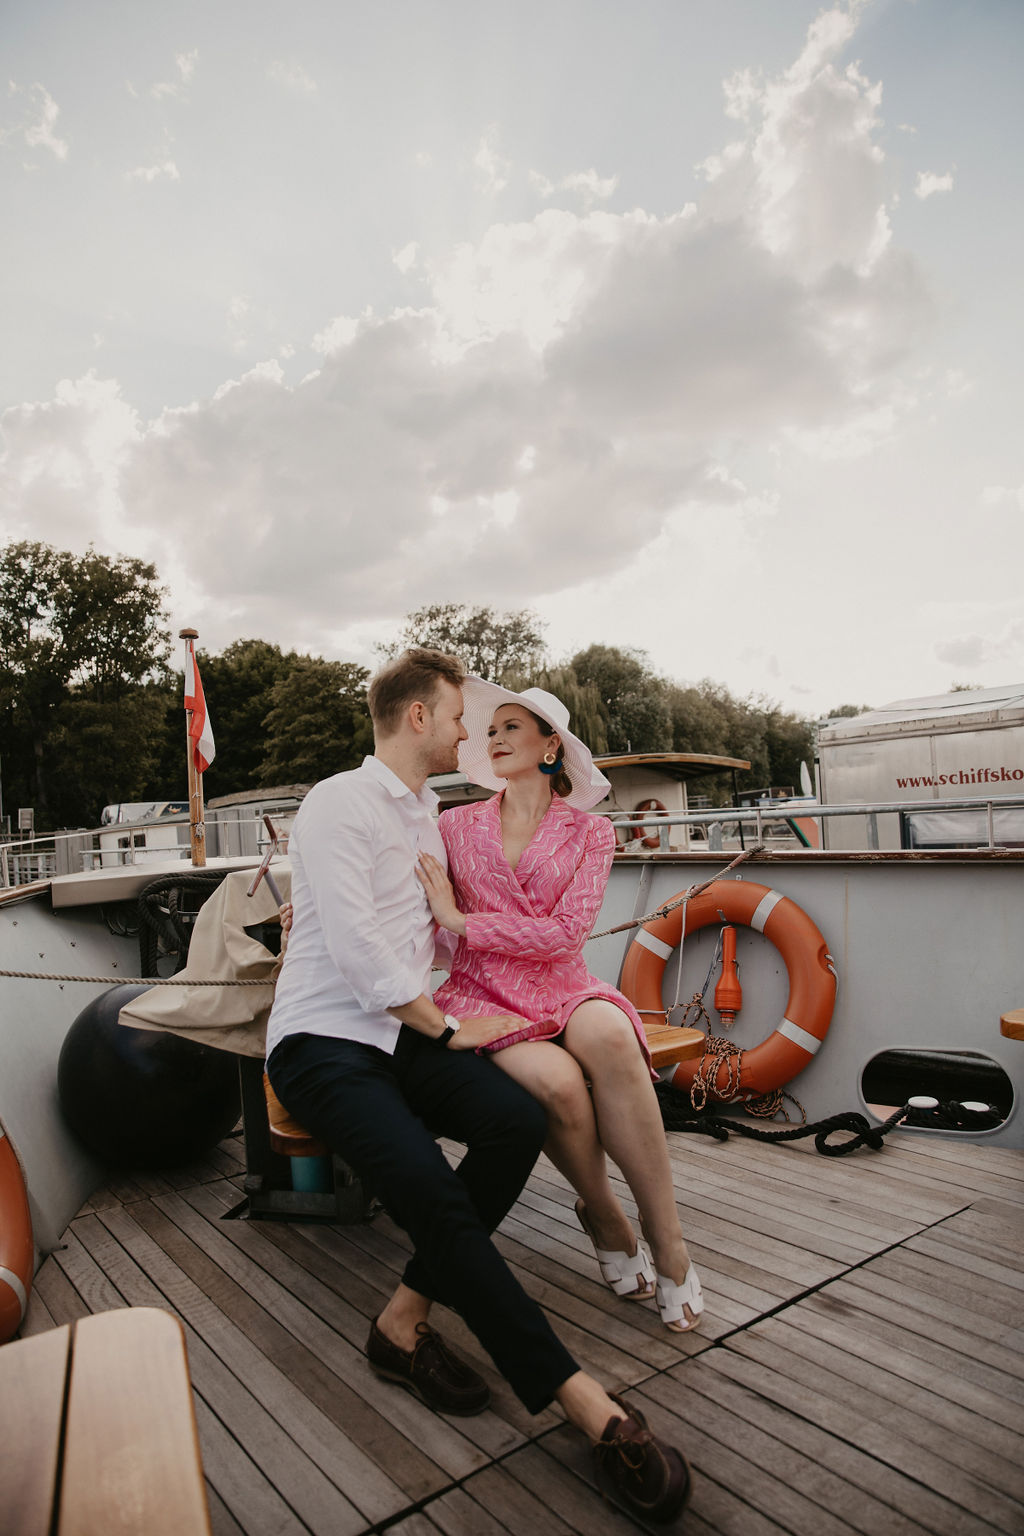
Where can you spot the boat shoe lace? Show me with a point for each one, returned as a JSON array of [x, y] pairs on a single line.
[[638, 1472], [431, 1369]]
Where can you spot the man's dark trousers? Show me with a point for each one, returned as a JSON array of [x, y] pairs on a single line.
[[374, 1110]]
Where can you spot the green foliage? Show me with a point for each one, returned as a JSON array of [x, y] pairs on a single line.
[[493, 645], [91, 715], [239, 685], [75, 632], [107, 749], [318, 722], [633, 698], [847, 711]]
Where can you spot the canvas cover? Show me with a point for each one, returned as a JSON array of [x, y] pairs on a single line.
[[231, 1018]]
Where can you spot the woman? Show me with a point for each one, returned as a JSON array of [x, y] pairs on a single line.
[[528, 872]]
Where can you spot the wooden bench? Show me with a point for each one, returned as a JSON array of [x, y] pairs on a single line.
[[1012, 1024], [98, 1430]]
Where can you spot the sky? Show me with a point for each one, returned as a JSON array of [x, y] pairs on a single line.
[[693, 326]]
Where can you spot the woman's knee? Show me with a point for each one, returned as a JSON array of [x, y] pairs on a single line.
[[602, 1039]]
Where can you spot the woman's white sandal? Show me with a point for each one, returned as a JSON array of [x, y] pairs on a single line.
[[629, 1275], [672, 1299]]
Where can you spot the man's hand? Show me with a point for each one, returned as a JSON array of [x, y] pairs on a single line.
[[477, 1032], [287, 914], [440, 895]]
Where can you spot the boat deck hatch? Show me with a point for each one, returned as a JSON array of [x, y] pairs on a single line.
[[971, 1092]]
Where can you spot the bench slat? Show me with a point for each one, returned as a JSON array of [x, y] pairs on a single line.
[[132, 1465], [32, 1376]]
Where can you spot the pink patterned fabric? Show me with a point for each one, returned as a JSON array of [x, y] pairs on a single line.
[[525, 928]]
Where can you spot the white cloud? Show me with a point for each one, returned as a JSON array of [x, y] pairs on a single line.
[[405, 259], [163, 170], [178, 88], [493, 169], [292, 76], [1003, 496], [566, 394], [591, 187], [1000, 646], [38, 125], [928, 183], [66, 456]]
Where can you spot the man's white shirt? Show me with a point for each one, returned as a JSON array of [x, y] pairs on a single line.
[[362, 939]]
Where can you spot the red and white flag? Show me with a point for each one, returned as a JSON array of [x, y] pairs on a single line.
[[200, 731]]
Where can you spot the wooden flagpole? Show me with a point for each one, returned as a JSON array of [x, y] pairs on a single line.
[[197, 828]]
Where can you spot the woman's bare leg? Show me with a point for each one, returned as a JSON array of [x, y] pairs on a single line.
[[556, 1080], [601, 1038]]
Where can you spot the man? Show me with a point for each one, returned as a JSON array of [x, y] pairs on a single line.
[[359, 1052]]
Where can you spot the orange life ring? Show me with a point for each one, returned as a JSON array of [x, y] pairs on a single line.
[[648, 837], [16, 1253], [812, 982]]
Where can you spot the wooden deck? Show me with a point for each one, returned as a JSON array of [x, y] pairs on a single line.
[[860, 1368]]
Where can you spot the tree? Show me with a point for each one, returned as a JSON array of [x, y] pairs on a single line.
[[318, 723], [634, 699], [239, 686], [74, 630], [493, 645]]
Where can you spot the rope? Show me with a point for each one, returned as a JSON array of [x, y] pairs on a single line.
[[861, 1134], [138, 981], [688, 895]]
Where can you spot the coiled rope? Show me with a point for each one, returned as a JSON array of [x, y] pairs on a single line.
[[861, 1133]]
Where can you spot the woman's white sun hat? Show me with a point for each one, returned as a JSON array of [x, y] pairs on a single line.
[[481, 699]]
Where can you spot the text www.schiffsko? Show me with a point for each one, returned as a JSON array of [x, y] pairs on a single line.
[[963, 776]]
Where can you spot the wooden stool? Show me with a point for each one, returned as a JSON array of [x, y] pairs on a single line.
[[668, 1045], [120, 1454], [287, 1136], [1012, 1024]]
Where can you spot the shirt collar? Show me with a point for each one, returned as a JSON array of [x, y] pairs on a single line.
[[394, 785]]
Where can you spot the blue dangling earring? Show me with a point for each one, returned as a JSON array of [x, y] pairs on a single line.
[[551, 764]]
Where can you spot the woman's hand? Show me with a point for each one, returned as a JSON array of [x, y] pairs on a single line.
[[440, 895], [475, 1033]]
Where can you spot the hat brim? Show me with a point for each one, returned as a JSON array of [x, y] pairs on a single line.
[[480, 700]]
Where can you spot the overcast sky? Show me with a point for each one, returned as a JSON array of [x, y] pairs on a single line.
[[693, 325]]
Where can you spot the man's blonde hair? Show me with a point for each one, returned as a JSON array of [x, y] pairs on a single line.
[[412, 677]]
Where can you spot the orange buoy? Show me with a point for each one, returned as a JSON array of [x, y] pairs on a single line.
[[16, 1253], [810, 967]]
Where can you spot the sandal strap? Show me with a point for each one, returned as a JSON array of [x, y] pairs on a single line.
[[672, 1298], [625, 1272]]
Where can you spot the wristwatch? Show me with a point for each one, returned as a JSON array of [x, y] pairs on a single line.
[[451, 1027]]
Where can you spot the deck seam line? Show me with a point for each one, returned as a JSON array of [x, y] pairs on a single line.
[[723, 1340]]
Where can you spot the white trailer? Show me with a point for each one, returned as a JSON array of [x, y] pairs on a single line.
[[954, 746]]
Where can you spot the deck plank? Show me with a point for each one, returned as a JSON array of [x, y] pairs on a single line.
[[860, 1371]]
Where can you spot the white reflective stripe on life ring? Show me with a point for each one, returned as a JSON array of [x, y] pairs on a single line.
[[801, 1037], [656, 946], [764, 909], [8, 1277]]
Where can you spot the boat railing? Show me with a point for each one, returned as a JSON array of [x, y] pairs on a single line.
[[763, 820], [44, 856]]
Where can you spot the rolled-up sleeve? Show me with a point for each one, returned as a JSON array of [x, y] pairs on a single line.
[[564, 931], [339, 847]]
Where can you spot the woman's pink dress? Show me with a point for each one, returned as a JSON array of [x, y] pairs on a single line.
[[525, 928]]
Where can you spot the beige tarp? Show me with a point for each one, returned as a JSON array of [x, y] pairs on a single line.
[[233, 1018]]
